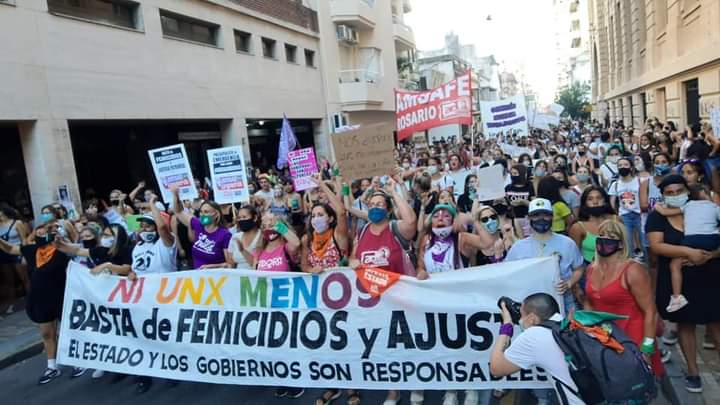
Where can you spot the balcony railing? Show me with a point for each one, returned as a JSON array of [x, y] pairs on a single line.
[[359, 76]]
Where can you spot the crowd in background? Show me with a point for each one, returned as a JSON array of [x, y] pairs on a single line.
[[631, 213]]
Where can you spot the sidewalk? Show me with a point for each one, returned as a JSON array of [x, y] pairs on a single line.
[[709, 364], [19, 339]]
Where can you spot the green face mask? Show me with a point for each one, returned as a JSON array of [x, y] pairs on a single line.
[[206, 219]]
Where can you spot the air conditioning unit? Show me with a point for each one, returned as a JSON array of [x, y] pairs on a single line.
[[347, 34]]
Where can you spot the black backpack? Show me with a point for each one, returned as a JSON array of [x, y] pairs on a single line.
[[602, 375]]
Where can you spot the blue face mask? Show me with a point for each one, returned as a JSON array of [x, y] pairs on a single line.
[[662, 169], [491, 225], [540, 225], [582, 177], [45, 218], [377, 214], [676, 201]]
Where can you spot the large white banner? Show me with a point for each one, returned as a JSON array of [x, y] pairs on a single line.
[[290, 329], [544, 117], [172, 168], [228, 175], [508, 115]]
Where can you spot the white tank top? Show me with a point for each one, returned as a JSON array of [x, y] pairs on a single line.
[[155, 257]]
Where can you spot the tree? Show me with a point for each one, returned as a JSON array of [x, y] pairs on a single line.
[[575, 99]]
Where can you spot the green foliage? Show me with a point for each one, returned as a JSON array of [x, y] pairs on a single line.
[[576, 100]]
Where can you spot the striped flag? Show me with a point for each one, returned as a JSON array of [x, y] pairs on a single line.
[[288, 142]]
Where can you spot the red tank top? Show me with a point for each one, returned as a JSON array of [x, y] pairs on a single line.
[[616, 299], [381, 250]]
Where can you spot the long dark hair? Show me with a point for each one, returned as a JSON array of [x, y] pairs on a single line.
[[467, 181], [253, 213], [583, 214], [8, 210], [333, 222], [549, 189], [121, 240]]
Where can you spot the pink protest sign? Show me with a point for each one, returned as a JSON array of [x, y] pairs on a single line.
[[302, 166]]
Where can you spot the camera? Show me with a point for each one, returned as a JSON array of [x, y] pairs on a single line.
[[512, 306]]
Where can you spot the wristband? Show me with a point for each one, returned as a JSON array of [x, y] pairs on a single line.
[[648, 346], [281, 228], [507, 329]]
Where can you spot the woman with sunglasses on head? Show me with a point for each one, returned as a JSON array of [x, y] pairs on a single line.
[[211, 236], [620, 285]]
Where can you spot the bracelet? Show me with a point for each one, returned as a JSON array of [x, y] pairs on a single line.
[[648, 346], [507, 329]]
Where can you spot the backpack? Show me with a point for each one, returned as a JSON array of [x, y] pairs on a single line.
[[602, 375], [410, 259]]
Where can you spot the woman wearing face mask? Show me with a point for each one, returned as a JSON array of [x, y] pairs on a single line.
[[211, 236], [89, 238], [583, 180], [46, 266], [582, 160], [13, 231], [549, 189], [111, 254], [65, 228], [609, 170], [438, 179], [642, 165], [619, 285], [297, 216], [279, 247], [245, 239], [541, 170], [650, 190], [519, 193], [280, 205], [326, 244], [571, 198], [443, 249], [469, 195], [625, 196], [501, 236], [647, 143], [526, 160], [595, 208]]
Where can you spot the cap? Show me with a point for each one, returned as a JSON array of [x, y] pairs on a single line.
[[540, 205], [447, 207], [147, 218]]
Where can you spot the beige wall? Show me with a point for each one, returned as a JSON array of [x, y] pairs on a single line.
[[643, 47]]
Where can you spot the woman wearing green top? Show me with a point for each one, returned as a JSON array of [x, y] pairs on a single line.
[[595, 208]]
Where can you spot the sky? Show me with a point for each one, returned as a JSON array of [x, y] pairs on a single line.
[[520, 34]]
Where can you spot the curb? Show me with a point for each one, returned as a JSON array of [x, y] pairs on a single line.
[[23, 353], [673, 385]]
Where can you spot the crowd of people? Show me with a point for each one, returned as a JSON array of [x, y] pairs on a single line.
[[630, 213]]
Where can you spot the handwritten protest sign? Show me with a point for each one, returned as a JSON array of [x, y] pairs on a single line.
[[505, 116], [331, 329], [302, 166], [491, 184], [172, 168], [365, 152], [229, 179]]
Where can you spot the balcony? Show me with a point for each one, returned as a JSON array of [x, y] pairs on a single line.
[[360, 89], [404, 36], [360, 14]]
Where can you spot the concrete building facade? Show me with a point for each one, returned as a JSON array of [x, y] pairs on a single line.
[[572, 44], [89, 85], [655, 58]]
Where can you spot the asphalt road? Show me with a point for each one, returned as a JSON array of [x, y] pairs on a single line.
[[19, 386]]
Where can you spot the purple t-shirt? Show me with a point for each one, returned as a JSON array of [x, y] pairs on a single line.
[[208, 247]]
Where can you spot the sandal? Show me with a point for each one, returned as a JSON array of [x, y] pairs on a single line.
[[353, 398], [328, 397]]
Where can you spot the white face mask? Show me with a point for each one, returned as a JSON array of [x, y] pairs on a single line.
[[320, 224], [432, 170], [107, 241], [443, 232], [613, 159], [148, 237]]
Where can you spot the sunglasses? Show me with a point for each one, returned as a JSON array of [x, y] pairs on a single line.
[[486, 219]]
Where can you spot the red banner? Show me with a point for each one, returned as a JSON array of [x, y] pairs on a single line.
[[450, 103]]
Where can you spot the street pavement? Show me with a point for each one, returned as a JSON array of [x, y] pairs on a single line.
[[19, 386]]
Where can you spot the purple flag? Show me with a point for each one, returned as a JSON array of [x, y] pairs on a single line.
[[288, 142]]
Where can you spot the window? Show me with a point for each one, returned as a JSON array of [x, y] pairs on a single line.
[[114, 12], [187, 28], [576, 43], [243, 41], [576, 25], [268, 46], [291, 53], [309, 58]]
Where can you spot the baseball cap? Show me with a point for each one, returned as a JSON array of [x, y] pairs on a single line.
[[147, 218], [540, 205], [449, 208]]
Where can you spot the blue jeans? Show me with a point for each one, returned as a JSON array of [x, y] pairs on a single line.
[[633, 223]]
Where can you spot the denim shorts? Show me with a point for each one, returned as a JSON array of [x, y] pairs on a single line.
[[704, 242]]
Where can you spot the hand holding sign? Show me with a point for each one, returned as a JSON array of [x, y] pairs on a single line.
[[491, 183]]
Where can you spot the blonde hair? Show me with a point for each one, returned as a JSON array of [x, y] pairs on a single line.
[[615, 229]]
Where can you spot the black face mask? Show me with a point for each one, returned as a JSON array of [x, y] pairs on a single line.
[[114, 202], [89, 243], [516, 179], [541, 225], [607, 247], [624, 171], [581, 153], [596, 211], [501, 209], [45, 240], [246, 224]]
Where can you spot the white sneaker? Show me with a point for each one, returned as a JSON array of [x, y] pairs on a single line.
[[676, 303], [450, 398], [471, 397], [98, 373], [417, 397]]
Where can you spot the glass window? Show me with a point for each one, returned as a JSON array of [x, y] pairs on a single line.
[[178, 26], [309, 58], [243, 41], [115, 12], [268, 46], [291, 53]]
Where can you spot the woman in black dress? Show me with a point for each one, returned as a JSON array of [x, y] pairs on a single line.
[[46, 266], [701, 280]]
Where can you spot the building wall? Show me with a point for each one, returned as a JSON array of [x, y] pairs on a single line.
[[653, 48]]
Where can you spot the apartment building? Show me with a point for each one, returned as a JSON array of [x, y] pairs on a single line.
[[88, 86], [655, 58]]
